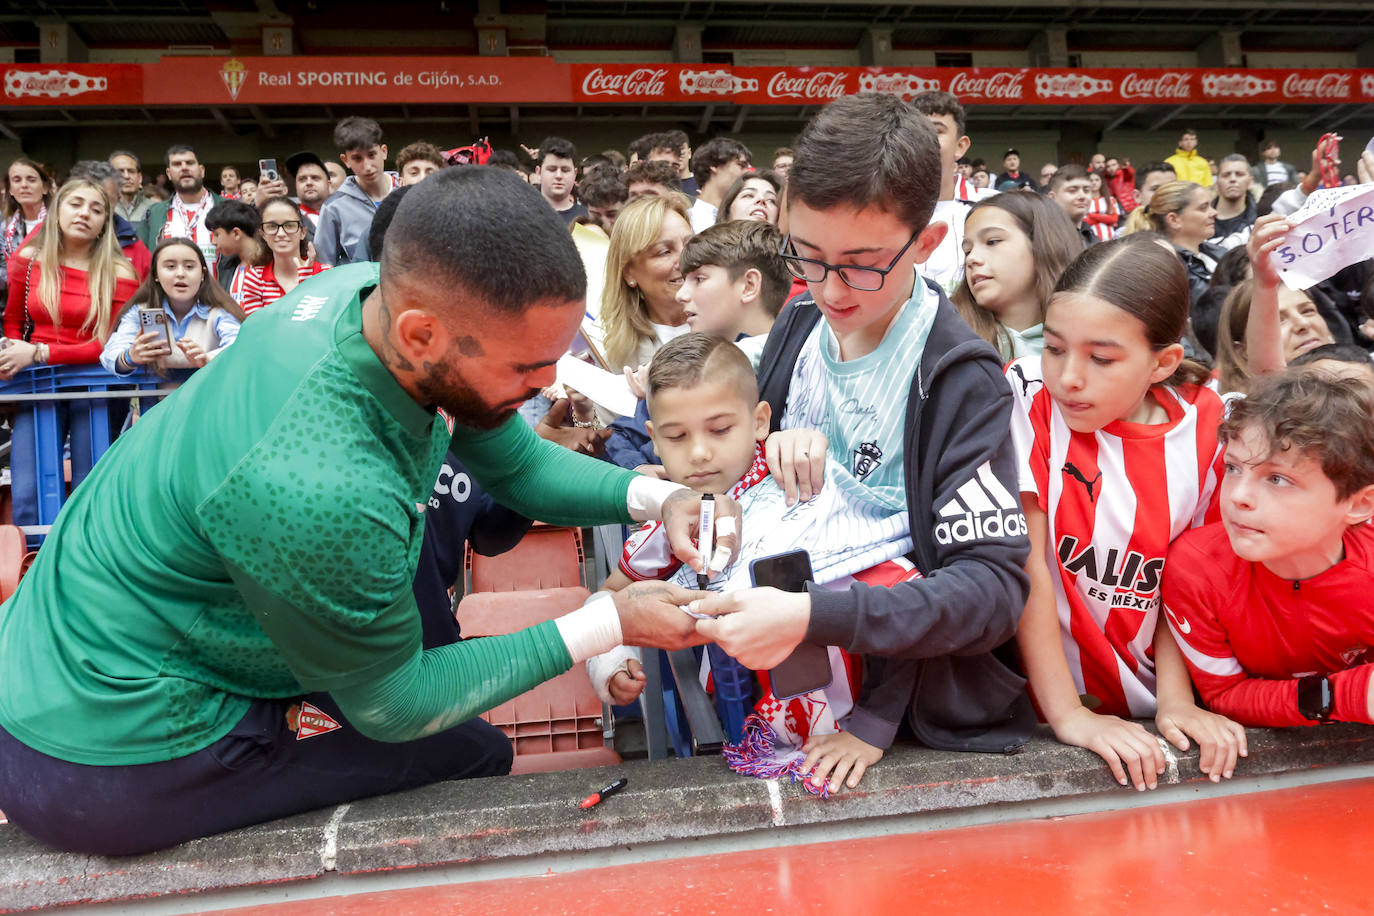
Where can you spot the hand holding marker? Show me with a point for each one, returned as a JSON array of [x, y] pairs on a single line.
[[705, 539]]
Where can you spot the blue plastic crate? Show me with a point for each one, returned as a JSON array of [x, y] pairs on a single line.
[[60, 382]]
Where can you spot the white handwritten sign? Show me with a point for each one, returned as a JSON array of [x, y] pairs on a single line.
[[604, 388], [1332, 230]]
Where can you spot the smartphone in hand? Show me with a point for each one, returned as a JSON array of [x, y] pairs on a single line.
[[267, 168], [155, 319], [808, 667]]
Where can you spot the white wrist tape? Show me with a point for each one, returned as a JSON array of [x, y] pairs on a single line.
[[591, 629], [601, 668], [725, 526], [646, 495]]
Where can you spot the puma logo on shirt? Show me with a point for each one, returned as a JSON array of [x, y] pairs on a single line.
[[1072, 470]]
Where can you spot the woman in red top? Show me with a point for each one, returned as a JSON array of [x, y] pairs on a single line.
[[65, 287], [283, 229]]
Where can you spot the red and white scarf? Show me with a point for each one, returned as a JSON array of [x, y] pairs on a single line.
[[776, 731], [17, 229], [182, 222]]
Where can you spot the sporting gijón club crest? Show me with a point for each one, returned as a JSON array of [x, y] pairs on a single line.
[[309, 721]]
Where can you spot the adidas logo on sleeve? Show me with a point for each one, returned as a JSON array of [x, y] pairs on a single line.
[[983, 509]]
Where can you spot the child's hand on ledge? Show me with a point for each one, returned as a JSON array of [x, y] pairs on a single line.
[[836, 756], [1220, 741], [1125, 745]]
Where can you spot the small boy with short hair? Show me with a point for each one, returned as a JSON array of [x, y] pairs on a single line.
[[734, 283], [1271, 604], [708, 426]]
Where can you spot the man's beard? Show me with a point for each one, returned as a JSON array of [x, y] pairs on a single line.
[[195, 184], [446, 389]]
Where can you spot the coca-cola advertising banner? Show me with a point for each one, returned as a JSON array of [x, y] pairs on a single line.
[[518, 80], [974, 86], [73, 84]]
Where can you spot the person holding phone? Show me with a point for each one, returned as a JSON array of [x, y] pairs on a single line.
[[284, 232], [709, 427], [65, 287], [192, 317], [916, 409]]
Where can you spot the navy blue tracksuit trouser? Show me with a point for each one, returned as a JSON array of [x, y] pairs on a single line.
[[258, 772]]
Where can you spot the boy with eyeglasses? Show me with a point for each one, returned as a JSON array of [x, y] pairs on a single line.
[[875, 368]]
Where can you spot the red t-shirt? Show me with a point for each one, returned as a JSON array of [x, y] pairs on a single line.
[[67, 344], [1247, 635], [139, 256]]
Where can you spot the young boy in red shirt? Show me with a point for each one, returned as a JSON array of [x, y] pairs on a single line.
[[1271, 605]]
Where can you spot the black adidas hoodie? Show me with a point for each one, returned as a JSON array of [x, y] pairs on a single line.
[[941, 649]]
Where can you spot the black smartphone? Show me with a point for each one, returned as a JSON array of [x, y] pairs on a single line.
[[808, 667]]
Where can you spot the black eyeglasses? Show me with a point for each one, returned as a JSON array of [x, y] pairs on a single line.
[[864, 279], [291, 227]]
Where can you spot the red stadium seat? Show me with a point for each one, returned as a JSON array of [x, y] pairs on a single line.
[[546, 557], [558, 724]]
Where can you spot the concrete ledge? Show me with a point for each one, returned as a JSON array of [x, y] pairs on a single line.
[[666, 801]]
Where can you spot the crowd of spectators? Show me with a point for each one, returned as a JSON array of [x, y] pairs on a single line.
[[839, 335]]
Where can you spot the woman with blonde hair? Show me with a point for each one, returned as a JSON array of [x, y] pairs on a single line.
[[639, 307], [1182, 212], [65, 289]]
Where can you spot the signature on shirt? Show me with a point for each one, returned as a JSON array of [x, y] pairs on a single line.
[[852, 406]]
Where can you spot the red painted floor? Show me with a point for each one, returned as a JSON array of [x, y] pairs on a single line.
[[1301, 850]]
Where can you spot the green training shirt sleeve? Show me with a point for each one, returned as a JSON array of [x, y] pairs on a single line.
[[542, 480], [439, 688]]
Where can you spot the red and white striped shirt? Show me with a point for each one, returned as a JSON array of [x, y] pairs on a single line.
[[261, 289], [1114, 500], [235, 289], [1105, 230]]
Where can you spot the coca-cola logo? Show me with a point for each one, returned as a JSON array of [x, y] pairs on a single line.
[[905, 85], [1242, 85], [826, 84], [1367, 85], [1069, 85], [1326, 86], [644, 81], [1173, 86], [51, 84], [1002, 86], [706, 82], [714, 82]]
